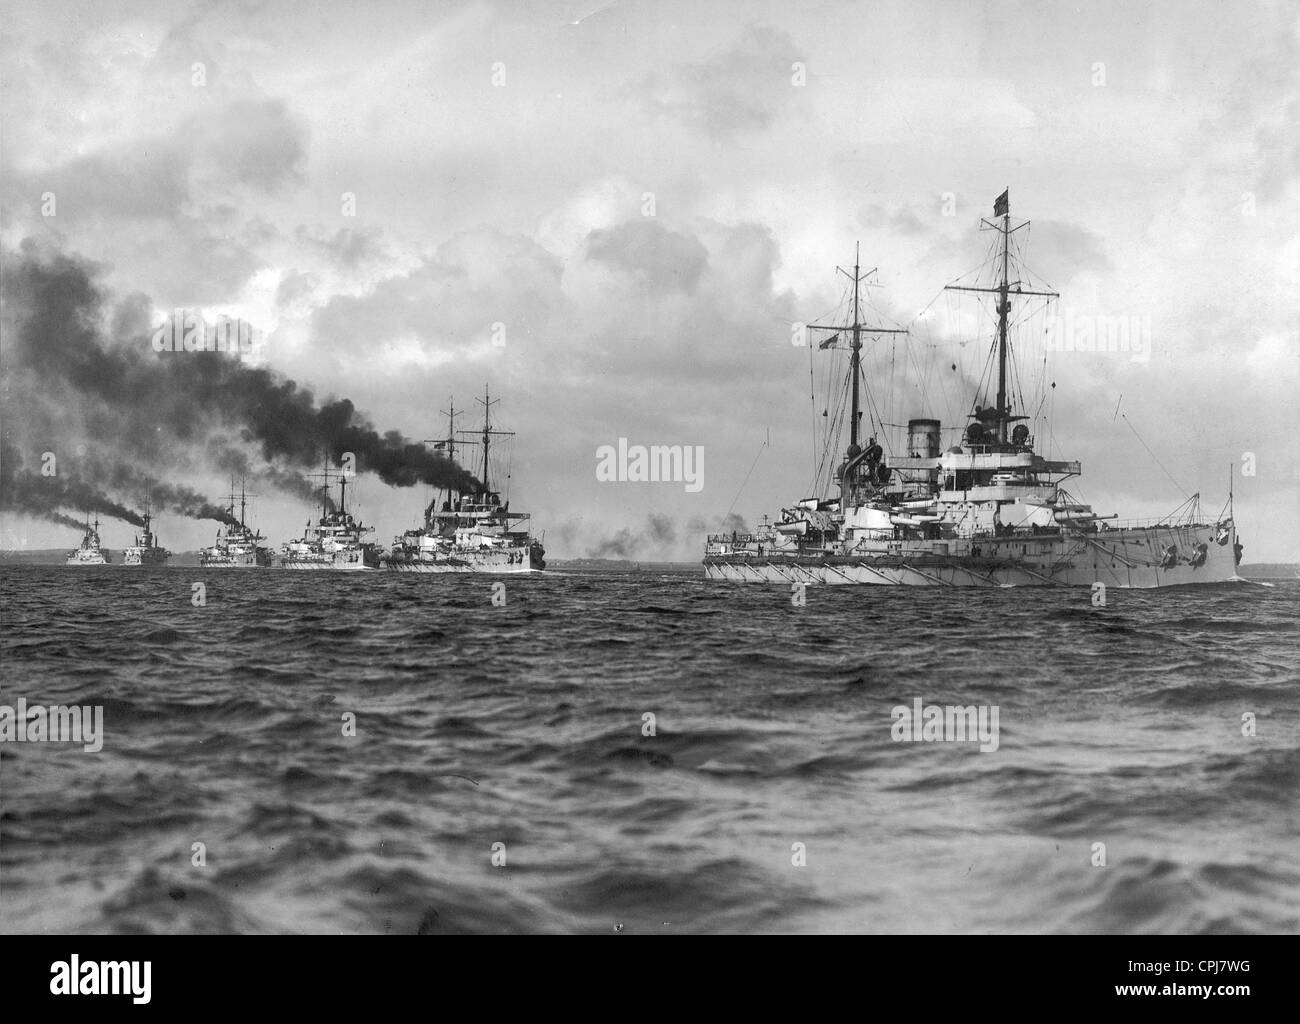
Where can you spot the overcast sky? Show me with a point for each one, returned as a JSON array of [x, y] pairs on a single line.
[[500, 156]]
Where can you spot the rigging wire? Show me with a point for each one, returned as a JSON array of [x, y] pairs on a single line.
[[812, 396], [1124, 417], [747, 475]]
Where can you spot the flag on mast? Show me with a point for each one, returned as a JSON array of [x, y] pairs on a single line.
[[1001, 205]]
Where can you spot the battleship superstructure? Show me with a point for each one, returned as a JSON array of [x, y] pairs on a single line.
[[89, 553], [987, 511], [237, 546], [334, 541], [468, 532], [145, 549]]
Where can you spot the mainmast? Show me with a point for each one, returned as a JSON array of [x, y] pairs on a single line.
[[487, 434], [325, 489], [1004, 307], [1004, 289], [855, 361], [447, 444]]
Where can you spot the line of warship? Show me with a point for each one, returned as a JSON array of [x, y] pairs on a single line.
[[472, 532], [468, 533], [237, 546], [989, 511], [143, 550]]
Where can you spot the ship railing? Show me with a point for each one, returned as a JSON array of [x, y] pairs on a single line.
[[732, 538], [997, 448], [1147, 523], [1098, 525], [872, 534]]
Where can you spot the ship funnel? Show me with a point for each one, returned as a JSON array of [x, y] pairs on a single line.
[[923, 439], [922, 443]]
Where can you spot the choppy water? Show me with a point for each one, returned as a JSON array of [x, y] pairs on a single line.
[[522, 725]]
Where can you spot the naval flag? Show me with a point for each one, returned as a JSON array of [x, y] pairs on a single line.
[[1001, 205]]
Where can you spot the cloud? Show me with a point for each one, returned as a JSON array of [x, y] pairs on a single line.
[[903, 221], [738, 92], [348, 247], [247, 145], [661, 259], [250, 144], [450, 300]]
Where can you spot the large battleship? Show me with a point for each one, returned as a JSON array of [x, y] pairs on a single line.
[[988, 511], [238, 546], [145, 549], [90, 552], [468, 533], [335, 540]]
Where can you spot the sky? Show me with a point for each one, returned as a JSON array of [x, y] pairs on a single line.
[[611, 215]]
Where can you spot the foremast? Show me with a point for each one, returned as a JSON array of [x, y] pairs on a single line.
[[442, 444], [854, 455], [243, 497], [148, 524]]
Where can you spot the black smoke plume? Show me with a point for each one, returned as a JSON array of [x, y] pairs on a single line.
[[144, 408], [175, 498], [32, 494]]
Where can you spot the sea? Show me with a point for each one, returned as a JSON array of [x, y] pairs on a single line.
[[645, 752]]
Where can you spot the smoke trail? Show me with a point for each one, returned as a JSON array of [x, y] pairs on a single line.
[[151, 403], [234, 462], [40, 496], [62, 520], [659, 533], [175, 498]]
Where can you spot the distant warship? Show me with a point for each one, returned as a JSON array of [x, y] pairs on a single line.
[[89, 553], [145, 549], [334, 541], [237, 546], [469, 533], [988, 511]]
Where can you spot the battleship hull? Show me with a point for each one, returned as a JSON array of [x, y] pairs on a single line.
[[1123, 558], [151, 557], [341, 563], [235, 561], [493, 562]]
